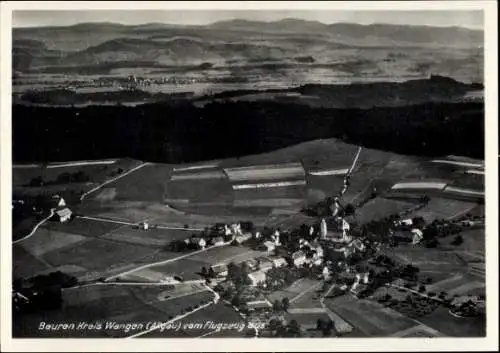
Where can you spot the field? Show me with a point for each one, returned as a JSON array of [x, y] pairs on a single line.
[[144, 184], [289, 171], [227, 254], [380, 208], [153, 237], [370, 318], [217, 313], [449, 325], [98, 255], [85, 227], [107, 304], [473, 247], [458, 284], [45, 241], [187, 268], [25, 264], [443, 208], [308, 322]]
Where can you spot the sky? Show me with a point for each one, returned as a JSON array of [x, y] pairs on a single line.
[[463, 18]]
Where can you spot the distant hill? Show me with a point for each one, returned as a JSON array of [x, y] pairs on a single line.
[[222, 41]]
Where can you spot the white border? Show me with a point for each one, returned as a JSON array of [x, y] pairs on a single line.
[[365, 344]]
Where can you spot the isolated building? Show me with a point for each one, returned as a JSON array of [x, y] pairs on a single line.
[[326, 272], [252, 264], [198, 242], [265, 264], [418, 236], [63, 215]]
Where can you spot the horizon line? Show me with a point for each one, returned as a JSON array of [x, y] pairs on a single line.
[[472, 28]]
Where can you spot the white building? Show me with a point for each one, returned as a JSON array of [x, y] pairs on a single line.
[[279, 262], [299, 258], [418, 236], [269, 246], [199, 242], [323, 229], [63, 215], [326, 273], [220, 270], [243, 238], [218, 241], [257, 277]]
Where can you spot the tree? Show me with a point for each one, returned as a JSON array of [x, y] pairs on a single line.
[[349, 210], [285, 302], [236, 301], [277, 306], [37, 181], [294, 328], [204, 271], [421, 288], [457, 240], [320, 324]]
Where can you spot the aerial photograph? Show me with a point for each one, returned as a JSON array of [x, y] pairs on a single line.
[[248, 174]]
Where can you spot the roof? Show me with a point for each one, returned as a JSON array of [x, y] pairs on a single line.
[[257, 304], [269, 244], [219, 268], [64, 212], [297, 254], [258, 276]]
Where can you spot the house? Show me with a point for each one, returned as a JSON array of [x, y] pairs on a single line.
[[252, 264], [257, 277], [318, 252], [279, 262], [418, 236], [243, 238], [317, 261], [198, 242], [63, 215], [269, 246], [325, 272], [264, 264], [259, 305], [220, 271], [405, 222], [218, 241], [299, 258]]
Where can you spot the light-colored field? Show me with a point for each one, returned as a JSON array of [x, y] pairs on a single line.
[[279, 184], [198, 175], [144, 275], [152, 237], [227, 254], [475, 171], [195, 167], [380, 208], [98, 254], [419, 185], [269, 202], [86, 227], [187, 268], [459, 163], [265, 172], [106, 194], [443, 208], [45, 241], [342, 171], [370, 318], [464, 191], [429, 259]]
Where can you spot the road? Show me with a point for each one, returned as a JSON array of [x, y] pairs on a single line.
[[35, 227], [113, 179]]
